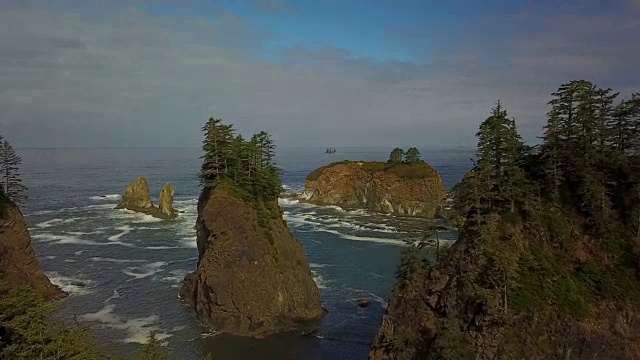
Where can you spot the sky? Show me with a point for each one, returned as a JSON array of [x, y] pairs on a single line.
[[312, 73]]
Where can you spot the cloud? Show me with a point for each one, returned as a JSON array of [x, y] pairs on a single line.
[[129, 78]]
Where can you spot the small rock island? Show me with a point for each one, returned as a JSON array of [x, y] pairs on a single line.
[[404, 185], [253, 277], [137, 198]]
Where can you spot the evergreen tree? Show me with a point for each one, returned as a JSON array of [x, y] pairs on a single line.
[[9, 170], [412, 156], [217, 146], [396, 156], [152, 350], [499, 156]]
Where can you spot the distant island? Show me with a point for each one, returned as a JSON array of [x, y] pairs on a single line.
[[330, 150], [404, 185]]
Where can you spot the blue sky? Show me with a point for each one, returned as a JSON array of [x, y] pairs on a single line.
[[377, 72]]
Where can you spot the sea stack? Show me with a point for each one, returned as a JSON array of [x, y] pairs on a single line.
[[18, 262], [253, 276], [400, 189], [136, 197], [165, 202]]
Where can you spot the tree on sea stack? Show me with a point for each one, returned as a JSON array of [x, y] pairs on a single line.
[[9, 171], [396, 156], [412, 156]]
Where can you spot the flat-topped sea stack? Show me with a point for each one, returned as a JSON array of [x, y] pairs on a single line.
[[137, 198], [401, 189], [18, 263]]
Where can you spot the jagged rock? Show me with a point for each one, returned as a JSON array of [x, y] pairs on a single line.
[[251, 279], [136, 197], [403, 189], [165, 204], [18, 262]]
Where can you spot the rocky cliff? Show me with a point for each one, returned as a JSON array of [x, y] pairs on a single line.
[[516, 290], [414, 190], [253, 277], [136, 197], [18, 262]]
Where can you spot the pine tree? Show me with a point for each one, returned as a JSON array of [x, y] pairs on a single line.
[[217, 146], [412, 156], [9, 171], [499, 156], [152, 350], [396, 156]]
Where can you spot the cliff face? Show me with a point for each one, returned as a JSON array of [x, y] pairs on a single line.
[[253, 277], [136, 197], [414, 190], [18, 262], [500, 293]]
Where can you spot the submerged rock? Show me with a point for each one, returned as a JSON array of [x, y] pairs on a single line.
[[253, 278], [136, 197], [363, 303], [402, 189], [18, 262]]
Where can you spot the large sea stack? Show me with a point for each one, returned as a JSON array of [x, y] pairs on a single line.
[[136, 197], [402, 189], [253, 276], [18, 262]]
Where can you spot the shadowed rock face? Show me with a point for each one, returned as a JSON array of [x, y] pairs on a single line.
[[136, 197], [18, 262], [251, 280], [413, 190]]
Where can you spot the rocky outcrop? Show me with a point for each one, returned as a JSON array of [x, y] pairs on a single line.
[[18, 262], [136, 197], [165, 202], [500, 293], [413, 190], [253, 277]]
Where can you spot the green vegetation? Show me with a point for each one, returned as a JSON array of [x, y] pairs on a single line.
[[576, 195], [248, 165], [417, 170], [399, 156], [10, 181], [29, 332]]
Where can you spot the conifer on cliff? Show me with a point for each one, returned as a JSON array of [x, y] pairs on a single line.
[[412, 156], [10, 162], [396, 156]]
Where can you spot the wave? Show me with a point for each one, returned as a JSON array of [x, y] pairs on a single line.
[[320, 282], [106, 197], [55, 222], [176, 277], [141, 272], [115, 295], [365, 238], [315, 266], [74, 240], [126, 229], [117, 261], [71, 285], [137, 329]]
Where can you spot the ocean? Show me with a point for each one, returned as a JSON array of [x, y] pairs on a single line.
[[123, 270]]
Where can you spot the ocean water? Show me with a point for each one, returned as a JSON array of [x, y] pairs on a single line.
[[123, 270]]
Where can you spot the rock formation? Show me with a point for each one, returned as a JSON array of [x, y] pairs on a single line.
[[498, 293], [136, 197], [18, 262], [253, 277], [414, 190], [165, 202]]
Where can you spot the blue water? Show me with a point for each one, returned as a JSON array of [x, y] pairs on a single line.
[[123, 270]]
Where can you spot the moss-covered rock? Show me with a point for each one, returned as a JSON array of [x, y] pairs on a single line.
[[402, 189]]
